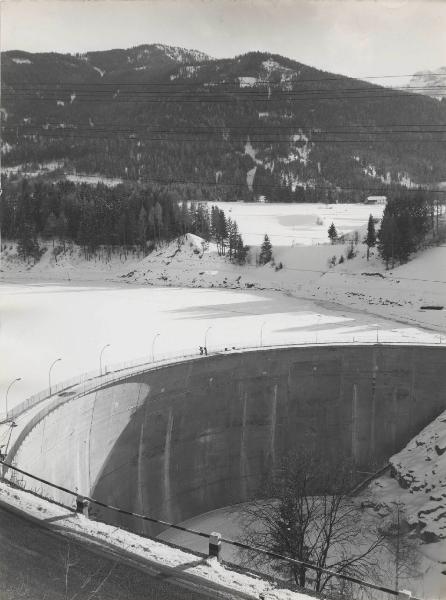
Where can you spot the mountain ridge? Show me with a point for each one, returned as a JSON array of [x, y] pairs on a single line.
[[258, 124], [427, 81]]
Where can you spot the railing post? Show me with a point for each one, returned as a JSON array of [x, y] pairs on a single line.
[[215, 545], [82, 506]]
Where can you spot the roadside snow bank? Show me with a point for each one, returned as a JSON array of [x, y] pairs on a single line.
[[208, 570]]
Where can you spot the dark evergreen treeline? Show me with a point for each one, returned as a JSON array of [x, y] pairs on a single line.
[[109, 217], [226, 234], [406, 224]]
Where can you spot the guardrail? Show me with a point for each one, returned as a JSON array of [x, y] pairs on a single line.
[[115, 370], [82, 507]]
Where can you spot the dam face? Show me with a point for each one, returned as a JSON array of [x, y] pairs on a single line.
[[192, 437]]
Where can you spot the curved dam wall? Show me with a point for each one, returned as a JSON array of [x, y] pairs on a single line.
[[188, 438]]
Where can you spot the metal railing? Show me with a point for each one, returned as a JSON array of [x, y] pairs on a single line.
[[163, 359], [80, 507]]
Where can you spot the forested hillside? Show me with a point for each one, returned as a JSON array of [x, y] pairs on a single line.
[[126, 217], [240, 128]]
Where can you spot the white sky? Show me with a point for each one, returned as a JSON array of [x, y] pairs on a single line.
[[359, 38]]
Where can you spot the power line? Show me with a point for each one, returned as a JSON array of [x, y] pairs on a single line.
[[238, 544], [239, 95], [174, 82], [206, 93], [334, 188], [69, 136], [178, 87], [224, 128]]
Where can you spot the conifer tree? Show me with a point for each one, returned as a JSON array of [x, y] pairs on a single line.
[[142, 227], [266, 251], [332, 233], [370, 239]]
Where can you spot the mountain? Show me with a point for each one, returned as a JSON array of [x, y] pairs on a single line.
[[257, 124], [90, 67], [430, 83]]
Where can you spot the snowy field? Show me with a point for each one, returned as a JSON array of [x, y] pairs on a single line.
[[43, 322], [297, 224]]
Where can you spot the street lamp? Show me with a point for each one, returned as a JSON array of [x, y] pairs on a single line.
[[317, 326], [100, 357], [7, 392], [153, 345], [261, 332], [49, 373], [206, 337]]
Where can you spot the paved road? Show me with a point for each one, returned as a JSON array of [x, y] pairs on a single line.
[[38, 564]]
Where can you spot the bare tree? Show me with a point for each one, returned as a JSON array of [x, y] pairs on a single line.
[[403, 549], [79, 582], [306, 513]]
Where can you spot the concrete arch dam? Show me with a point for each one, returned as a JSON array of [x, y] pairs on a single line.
[[187, 438]]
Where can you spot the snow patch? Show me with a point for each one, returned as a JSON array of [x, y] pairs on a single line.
[[250, 177], [22, 61], [94, 179], [247, 81], [186, 72], [100, 71], [250, 151], [5, 148], [181, 54]]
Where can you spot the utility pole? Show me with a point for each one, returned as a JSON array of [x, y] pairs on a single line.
[[397, 557]]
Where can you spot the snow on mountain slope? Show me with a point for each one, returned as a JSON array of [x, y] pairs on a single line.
[[430, 83]]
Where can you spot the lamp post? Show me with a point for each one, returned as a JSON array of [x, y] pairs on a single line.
[[7, 392], [49, 372], [261, 333], [317, 326], [206, 337], [153, 345], [100, 357]]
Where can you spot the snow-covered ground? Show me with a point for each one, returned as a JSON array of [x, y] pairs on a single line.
[[91, 303], [422, 574], [156, 553], [304, 271], [420, 469], [42, 322], [418, 485], [297, 224], [67, 307], [94, 179]]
